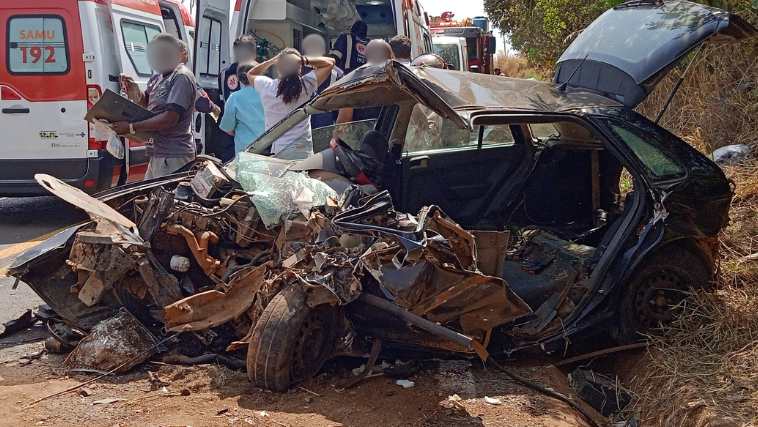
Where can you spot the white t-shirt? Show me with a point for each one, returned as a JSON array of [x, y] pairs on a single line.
[[275, 110]]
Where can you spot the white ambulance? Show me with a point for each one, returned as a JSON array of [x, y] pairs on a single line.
[[59, 56]]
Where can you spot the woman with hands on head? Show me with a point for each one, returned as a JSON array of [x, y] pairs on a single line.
[[288, 91]]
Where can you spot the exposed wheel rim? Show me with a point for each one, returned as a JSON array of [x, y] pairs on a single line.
[[657, 299], [314, 343]]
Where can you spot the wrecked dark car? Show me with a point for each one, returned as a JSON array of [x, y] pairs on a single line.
[[477, 215]]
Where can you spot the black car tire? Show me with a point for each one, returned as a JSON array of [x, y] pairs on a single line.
[[656, 288], [291, 341]]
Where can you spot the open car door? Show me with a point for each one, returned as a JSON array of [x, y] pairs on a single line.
[[626, 51]]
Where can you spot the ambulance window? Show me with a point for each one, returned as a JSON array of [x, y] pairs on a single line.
[[37, 45], [136, 36], [209, 50], [171, 23]]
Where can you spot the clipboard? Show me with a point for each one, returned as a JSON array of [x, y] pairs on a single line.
[[115, 108]]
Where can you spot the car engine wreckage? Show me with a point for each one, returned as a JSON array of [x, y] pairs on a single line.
[[259, 266], [256, 256]]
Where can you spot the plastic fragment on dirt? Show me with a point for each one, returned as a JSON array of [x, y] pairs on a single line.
[[120, 342], [604, 394], [405, 383], [276, 191], [492, 400], [108, 401]]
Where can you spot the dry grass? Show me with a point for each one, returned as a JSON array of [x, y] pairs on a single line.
[[703, 370], [516, 66]]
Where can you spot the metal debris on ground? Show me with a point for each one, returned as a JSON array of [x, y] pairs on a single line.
[[208, 266], [25, 321], [604, 394], [113, 342]]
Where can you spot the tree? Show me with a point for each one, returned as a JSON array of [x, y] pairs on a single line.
[[542, 29]]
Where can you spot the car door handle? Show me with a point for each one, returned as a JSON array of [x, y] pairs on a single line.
[[15, 110], [419, 162]]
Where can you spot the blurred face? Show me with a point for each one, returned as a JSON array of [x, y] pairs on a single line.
[[163, 56], [244, 54], [288, 64], [378, 51], [314, 45]]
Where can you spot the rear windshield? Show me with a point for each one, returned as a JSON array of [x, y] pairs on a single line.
[[37, 45]]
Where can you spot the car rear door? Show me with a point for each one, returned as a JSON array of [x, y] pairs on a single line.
[[456, 169], [626, 51], [43, 96]]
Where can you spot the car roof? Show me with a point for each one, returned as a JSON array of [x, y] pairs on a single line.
[[474, 91], [466, 92]]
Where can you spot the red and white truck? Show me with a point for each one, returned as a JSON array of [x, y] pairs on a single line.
[[466, 45]]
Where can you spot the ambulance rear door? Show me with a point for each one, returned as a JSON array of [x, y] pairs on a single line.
[[212, 41]]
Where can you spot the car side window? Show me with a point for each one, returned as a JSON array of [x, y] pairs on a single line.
[[428, 131], [496, 135], [350, 133], [136, 37], [37, 45], [654, 159]]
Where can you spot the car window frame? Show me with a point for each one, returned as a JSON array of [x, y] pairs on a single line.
[[8, 44], [478, 128], [144, 25]]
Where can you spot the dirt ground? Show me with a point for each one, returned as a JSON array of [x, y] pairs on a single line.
[[214, 395]]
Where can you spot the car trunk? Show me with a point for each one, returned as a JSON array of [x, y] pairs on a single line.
[[625, 52]]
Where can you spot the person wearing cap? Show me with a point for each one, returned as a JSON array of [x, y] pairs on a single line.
[[378, 52], [350, 48], [284, 94]]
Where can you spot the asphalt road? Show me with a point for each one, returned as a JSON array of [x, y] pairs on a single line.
[[23, 223]]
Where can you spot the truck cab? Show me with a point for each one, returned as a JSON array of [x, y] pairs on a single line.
[[454, 50]]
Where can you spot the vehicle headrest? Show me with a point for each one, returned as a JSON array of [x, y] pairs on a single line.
[[374, 144]]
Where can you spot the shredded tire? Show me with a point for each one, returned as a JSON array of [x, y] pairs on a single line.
[[275, 356]]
